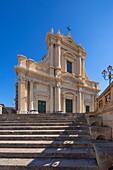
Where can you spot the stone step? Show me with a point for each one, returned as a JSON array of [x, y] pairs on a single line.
[[103, 143], [43, 124], [48, 164], [20, 116], [47, 153], [45, 144], [45, 137], [43, 127], [33, 124], [103, 150], [39, 120], [60, 131]]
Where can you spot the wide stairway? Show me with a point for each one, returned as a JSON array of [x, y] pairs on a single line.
[[46, 142]]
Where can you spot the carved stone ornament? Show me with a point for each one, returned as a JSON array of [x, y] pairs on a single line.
[[59, 84]]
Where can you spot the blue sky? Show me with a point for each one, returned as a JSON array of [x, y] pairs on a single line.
[[23, 28]]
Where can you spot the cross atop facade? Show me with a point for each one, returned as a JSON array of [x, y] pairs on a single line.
[[68, 28]]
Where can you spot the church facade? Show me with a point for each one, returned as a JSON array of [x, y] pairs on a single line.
[[59, 82]]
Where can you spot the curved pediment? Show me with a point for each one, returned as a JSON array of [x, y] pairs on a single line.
[[69, 41], [68, 53], [70, 78]]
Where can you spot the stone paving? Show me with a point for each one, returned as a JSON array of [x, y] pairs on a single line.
[[46, 142], [54, 142]]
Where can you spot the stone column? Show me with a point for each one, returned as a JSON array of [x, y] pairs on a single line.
[[51, 54], [79, 102], [58, 58], [58, 97], [58, 54], [22, 96], [92, 103], [31, 104], [79, 67], [51, 59], [51, 99], [83, 73], [64, 104], [73, 68], [65, 65], [1, 109], [83, 104], [74, 105]]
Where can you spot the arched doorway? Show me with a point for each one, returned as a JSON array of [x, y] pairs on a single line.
[[101, 137], [111, 168]]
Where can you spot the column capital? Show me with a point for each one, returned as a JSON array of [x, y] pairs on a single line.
[[80, 89], [58, 43], [59, 84]]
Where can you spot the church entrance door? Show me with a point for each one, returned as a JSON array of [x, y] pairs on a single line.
[[69, 106], [41, 106]]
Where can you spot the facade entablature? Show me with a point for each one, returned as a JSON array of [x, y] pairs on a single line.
[[66, 48], [32, 65], [71, 79], [91, 84], [69, 55]]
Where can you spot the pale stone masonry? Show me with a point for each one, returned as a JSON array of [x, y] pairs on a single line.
[[57, 83], [105, 106], [1, 109]]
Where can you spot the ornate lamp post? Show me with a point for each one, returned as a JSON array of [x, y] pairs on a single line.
[[108, 74]]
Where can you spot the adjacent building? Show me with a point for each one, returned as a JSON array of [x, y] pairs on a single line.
[[105, 106], [57, 83]]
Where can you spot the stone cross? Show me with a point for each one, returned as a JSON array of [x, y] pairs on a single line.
[[68, 28]]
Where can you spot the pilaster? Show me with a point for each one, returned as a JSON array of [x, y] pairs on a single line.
[[1, 109], [64, 104], [59, 54], [51, 99], [22, 97], [79, 66], [83, 103], [74, 105], [83, 69], [51, 59], [31, 104], [92, 103], [79, 101], [58, 97]]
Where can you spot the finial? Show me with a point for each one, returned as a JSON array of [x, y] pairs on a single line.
[[52, 30], [69, 30], [58, 32]]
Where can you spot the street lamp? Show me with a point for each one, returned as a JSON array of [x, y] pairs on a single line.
[[108, 74]]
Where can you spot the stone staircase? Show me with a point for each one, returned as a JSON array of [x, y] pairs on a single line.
[[46, 142]]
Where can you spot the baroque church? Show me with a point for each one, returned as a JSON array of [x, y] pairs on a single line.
[[59, 82]]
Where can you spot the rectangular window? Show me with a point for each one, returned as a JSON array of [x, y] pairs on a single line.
[[69, 67], [69, 106], [41, 106], [87, 108]]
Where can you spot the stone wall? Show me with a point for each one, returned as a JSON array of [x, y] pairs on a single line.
[[108, 119], [0, 109]]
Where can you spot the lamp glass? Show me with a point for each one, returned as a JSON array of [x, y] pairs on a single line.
[[109, 68], [104, 72]]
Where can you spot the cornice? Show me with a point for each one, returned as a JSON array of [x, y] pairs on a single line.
[[105, 91], [28, 72], [37, 75], [64, 41]]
